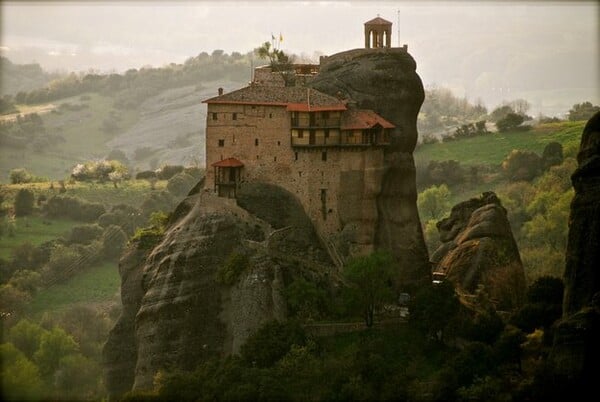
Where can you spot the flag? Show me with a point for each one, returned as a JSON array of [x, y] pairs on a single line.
[[272, 36], [280, 37]]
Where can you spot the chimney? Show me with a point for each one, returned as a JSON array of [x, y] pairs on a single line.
[[220, 91]]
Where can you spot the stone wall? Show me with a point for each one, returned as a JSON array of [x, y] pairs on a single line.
[[337, 186]]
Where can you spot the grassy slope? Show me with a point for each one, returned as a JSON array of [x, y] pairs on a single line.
[[493, 148], [82, 131], [96, 284], [36, 230]]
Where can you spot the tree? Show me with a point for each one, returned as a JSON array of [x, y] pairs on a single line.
[[114, 240], [510, 122], [370, 279], [54, 346], [583, 111], [500, 112], [24, 201], [20, 175], [522, 165], [26, 336], [552, 155], [271, 342], [433, 307], [20, 377], [434, 201]]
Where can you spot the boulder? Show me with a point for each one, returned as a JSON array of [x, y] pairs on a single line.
[[478, 249]]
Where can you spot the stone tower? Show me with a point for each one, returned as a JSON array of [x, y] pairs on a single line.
[[378, 33]]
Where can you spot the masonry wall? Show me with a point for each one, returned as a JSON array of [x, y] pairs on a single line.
[[337, 186]]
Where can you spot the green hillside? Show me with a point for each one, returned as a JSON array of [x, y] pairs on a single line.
[[493, 148]]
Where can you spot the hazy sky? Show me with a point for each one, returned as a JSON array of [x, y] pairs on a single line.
[[546, 52]]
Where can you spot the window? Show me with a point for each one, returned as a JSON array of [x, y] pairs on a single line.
[[214, 116], [278, 142], [324, 156], [326, 133], [324, 203], [325, 115], [270, 115], [234, 116], [221, 143], [274, 159], [256, 141], [295, 156], [300, 133]]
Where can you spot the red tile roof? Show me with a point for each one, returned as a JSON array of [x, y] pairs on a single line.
[[359, 119], [228, 163], [280, 96], [378, 21]]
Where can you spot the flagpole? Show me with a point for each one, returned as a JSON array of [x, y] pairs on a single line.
[[398, 28]]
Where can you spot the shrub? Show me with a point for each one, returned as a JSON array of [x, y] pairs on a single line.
[[85, 234], [114, 240], [157, 201], [99, 170], [63, 262], [552, 155], [145, 174], [271, 342], [24, 202], [304, 298], [64, 206], [234, 265], [168, 171], [181, 184], [19, 176], [195, 171], [510, 122], [522, 165]]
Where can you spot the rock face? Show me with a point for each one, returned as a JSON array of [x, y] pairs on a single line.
[[385, 80], [479, 249], [176, 313], [576, 351]]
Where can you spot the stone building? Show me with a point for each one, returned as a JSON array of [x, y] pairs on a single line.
[[321, 148]]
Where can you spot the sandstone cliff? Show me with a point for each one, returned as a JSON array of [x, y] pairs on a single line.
[[478, 248], [385, 80], [175, 312], [576, 351]]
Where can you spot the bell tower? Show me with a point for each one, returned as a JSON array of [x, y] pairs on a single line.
[[378, 33]]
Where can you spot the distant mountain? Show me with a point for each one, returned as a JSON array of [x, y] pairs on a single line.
[[15, 78]]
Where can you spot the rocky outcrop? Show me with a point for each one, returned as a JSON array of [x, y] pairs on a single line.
[[385, 80], [576, 351], [478, 248], [175, 311]]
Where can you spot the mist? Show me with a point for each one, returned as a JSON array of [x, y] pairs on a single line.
[[546, 53]]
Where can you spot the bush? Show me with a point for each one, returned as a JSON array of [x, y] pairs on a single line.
[[194, 171], [522, 165], [145, 174], [510, 122], [114, 240], [64, 206], [24, 202], [552, 155], [271, 342], [181, 184], [64, 261], [85, 234], [99, 170], [234, 265], [20, 176], [168, 171], [157, 201]]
